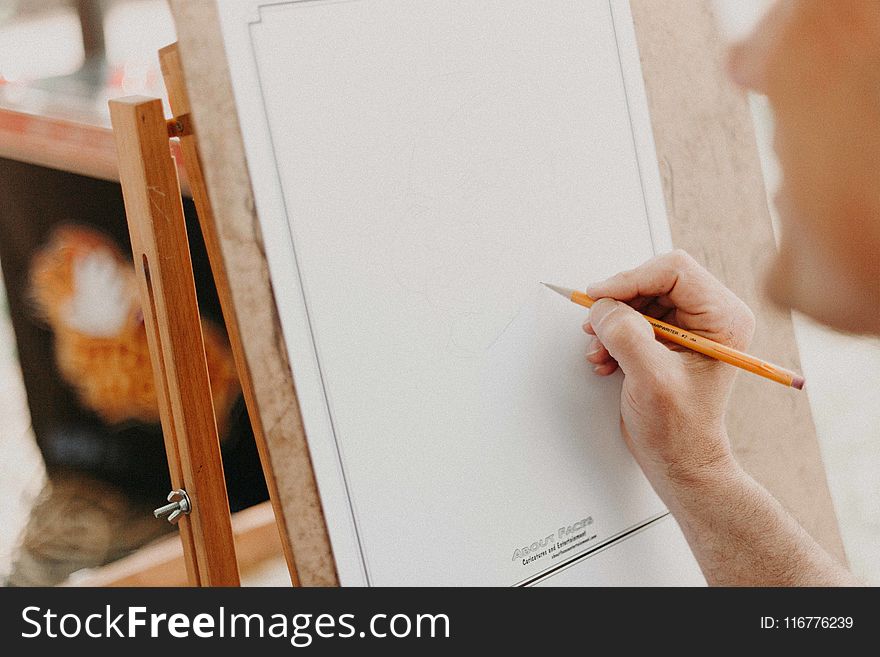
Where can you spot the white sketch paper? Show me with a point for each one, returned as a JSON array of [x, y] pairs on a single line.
[[419, 167]]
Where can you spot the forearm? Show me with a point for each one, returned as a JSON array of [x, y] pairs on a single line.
[[742, 536]]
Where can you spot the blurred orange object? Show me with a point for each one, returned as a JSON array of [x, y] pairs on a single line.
[[86, 291]]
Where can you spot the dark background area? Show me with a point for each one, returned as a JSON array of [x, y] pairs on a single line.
[[33, 200]]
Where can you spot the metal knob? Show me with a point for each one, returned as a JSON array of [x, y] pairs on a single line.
[[178, 504]]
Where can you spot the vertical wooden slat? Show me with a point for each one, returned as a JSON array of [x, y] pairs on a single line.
[[178, 97], [224, 167], [162, 260]]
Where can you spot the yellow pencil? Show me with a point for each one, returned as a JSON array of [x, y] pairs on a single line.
[[702, 345]]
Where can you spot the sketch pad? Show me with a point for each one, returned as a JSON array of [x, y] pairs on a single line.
[[418, 168]]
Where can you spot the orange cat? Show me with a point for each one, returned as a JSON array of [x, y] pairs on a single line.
[[87, 292]]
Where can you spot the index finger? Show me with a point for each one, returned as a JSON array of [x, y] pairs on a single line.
[[673, 276]]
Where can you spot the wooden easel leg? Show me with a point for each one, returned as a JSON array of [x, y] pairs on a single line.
[[179, 100], [162, 261]]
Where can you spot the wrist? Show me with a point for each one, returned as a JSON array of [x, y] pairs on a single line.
[[703, 476]]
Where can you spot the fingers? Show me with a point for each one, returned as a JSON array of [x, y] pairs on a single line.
[[628, 340], [606, 369], [598, 357], [597, 354], [675, 278], [674, 287]]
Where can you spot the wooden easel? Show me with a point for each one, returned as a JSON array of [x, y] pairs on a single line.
[[154, 209]]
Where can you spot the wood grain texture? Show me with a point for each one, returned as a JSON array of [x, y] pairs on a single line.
[[169, 58], [58, 144], [160, 250], [77, 147], [717, 209], [221, 150]]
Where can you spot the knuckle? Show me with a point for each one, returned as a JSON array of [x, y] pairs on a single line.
[[628, 333], [627, 276], [742, 324], [622, 281], [675, 264], [671, 272], [681, 259], [614, 331], [748, 322]]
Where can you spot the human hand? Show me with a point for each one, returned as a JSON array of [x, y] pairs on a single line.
[[673, 399]]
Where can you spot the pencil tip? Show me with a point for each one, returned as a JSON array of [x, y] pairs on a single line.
[[564, 291]]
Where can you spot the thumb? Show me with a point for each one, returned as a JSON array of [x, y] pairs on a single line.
[[627, 336]]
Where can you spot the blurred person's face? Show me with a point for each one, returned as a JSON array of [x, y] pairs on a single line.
[[818, 63]]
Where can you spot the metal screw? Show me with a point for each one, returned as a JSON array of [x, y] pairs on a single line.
[[178, 504]]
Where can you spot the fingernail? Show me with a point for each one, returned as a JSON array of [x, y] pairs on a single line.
[[594, 287], [586, 325]]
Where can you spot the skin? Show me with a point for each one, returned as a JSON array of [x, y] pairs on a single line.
[[818, 63]]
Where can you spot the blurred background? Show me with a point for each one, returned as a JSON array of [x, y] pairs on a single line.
[[842, 370], [81, 451], [78, 481]]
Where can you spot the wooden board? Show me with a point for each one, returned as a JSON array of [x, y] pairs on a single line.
[[715, 197], [67, 144], [228, 181], [169, 58]]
